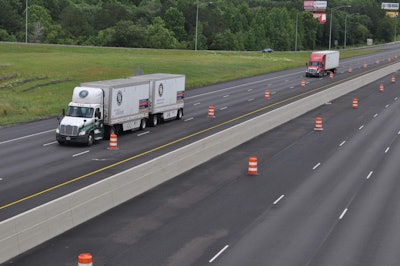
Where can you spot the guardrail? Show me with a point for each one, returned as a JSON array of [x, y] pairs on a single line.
[[29, 229]]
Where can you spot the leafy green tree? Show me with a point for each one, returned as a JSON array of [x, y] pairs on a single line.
[[5, 37], [175, 21], [110, 13], [76, 21], [160, 37], [10, 18]]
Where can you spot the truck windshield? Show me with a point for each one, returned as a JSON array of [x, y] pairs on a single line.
[[76, 111], [314, 63]]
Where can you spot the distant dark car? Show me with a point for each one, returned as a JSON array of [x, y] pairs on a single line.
[[267, 50]]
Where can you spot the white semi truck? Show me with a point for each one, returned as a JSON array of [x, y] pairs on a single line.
[[103, 107]]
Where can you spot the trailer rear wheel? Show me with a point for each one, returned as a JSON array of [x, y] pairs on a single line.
[[154, 120], [142, 124], [180, 114]]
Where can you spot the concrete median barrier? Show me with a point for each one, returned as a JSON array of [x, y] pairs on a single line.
[[27, 230]]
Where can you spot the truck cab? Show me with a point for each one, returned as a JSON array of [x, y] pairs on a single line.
[[83, 121], [315, 66]]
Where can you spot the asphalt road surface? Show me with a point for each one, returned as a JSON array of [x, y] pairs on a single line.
[[35, 169], [321, 198]]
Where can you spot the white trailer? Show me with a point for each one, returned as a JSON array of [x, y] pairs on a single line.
[[167, 92]]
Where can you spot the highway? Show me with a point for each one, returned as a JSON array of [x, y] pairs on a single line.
[[293, 213], [35, 169]]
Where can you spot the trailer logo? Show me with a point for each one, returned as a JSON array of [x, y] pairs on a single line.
[[119, 97], [83, 94], [160, 90]]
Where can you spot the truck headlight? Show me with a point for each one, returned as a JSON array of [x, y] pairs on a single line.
[[82, 133], [57, 130]]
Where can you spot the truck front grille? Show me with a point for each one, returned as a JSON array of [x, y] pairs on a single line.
[[69, 130], [312, 70]]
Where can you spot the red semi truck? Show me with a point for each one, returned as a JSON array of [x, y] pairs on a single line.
[[322, 62]]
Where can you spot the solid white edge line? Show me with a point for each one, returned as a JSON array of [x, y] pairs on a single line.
[[81, 153], [278, 199], [219, 253], [316, 166], [343, 213], [370, 174], [28, 136]]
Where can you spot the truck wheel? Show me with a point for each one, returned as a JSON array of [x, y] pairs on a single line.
[[61, 142], [90, 139], [154, 120], [180, 114], [142, 124]]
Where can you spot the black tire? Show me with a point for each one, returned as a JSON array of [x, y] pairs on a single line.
[[154, 120], [90, 139], [61, 142], [180, 114], [142, 124]]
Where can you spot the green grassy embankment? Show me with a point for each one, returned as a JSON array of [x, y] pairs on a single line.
[[36, 81]]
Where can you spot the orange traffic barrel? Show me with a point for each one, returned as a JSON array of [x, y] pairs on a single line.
[[331, 74], [113, 142], [303, 83], [377, 61], [211, 113], [252, 170], [318, 123], [267, 94], [365, 65], [355, 103], [85, 259], [393, 79], [350, 69], [381, 87]]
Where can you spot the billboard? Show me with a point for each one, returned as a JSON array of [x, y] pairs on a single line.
[[315, 5], [321, 16], [390, 6]]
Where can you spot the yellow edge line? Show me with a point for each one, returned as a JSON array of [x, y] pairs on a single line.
[[175, 141]]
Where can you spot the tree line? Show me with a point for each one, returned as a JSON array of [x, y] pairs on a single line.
[[188, 24]]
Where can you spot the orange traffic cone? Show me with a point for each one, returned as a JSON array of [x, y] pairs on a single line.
[[393, 79], [318, 123], [252, 169], [331, 75], [303, 83], [113, 142], [211, 113], [355, 103]]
